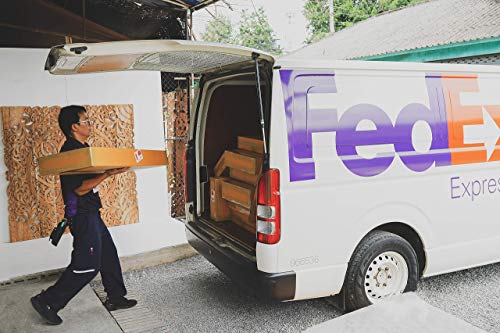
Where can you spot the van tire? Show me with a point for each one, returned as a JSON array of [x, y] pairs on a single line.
[[372, 246]]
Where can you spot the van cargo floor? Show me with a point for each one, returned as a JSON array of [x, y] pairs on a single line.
[[233, 232]]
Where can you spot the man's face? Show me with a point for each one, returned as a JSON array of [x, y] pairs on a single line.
[[83, 127]]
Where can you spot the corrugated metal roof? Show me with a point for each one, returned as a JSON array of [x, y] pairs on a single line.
[[428, 24]]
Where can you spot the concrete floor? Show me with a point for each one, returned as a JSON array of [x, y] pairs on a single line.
[[85, 313], [405, 313]]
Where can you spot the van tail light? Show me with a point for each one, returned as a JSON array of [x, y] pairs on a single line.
[[268, 208]]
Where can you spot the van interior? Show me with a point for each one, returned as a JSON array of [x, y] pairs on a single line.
[[231, 151]]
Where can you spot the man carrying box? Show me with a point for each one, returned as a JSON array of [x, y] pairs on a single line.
[[93, 248]]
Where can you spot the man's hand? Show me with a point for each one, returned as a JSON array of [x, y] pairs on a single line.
[[89, 184], [112, 172]]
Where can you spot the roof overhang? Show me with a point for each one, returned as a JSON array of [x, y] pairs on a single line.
[[465, 49]]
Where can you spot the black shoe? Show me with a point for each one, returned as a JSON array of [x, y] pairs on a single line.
[[119, 303], [45, 310]]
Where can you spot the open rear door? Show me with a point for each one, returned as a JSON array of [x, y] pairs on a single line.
[[177, 56]]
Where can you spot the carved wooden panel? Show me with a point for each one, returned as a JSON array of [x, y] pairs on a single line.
[[35, 202], [175, 104]]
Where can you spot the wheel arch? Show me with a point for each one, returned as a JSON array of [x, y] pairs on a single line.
[[411, 236], [402, 219]]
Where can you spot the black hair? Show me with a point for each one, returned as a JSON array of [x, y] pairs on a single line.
[[68, 116]]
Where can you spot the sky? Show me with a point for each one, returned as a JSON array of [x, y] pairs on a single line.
[[284, 16]]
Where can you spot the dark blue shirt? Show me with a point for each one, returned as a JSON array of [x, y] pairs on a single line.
[[75, 204]]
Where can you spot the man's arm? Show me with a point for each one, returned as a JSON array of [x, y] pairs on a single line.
[[89, 184]]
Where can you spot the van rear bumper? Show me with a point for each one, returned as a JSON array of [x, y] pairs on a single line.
[[275, 286]]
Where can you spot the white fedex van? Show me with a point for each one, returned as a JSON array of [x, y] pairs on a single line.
[[374, 173]]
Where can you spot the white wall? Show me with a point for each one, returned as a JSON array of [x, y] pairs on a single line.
[[23, 82]]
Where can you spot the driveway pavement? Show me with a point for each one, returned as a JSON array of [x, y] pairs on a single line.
[[192, 295]]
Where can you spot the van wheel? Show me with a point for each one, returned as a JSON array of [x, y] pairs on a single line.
[[383, 265]]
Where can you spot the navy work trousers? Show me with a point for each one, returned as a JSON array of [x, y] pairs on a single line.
[[93, 251]]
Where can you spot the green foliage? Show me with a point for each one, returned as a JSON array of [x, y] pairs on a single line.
[[317, 13], [256, 32], [346, 13], [219, 30]]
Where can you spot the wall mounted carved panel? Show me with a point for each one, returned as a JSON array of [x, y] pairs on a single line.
[[35, 202]]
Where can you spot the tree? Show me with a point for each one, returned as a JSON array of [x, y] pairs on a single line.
[[318, 15], [219, 30], [256, 32], [346, 13]]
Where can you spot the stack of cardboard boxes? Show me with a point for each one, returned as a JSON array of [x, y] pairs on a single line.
[[232, 197]]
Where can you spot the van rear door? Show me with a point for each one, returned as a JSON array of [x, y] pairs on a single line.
[[177, 56]]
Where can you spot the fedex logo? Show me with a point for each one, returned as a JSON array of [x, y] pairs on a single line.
[[460, 133]]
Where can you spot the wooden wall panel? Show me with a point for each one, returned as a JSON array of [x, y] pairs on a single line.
[[175, 104], [35, 202]]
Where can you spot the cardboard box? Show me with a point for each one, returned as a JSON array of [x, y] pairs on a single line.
[[98, 160], [250, 144], [219, 210], [238, 192], [243, 160], [243, 217], [244, 177]]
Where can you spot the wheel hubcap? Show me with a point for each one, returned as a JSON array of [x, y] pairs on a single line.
[[387, 275]]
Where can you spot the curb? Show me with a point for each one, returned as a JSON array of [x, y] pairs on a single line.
[[139, 261]]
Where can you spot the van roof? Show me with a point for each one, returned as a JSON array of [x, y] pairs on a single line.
[[322, 63]]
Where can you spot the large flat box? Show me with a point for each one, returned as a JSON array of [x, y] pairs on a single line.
[[98, 160], [250, 144], [238, 192], [244, 177], [243, 217], [219, 210], [243, 160]]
